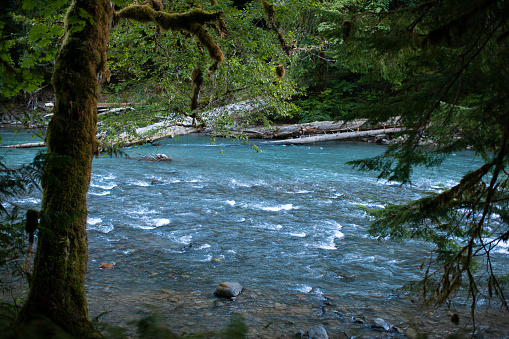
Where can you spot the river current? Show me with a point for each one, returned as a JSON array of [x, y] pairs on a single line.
[[285, 223]]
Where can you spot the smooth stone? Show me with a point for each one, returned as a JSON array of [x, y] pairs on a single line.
[[317, 332], [107, 266], [228, 289], [380, 323], [359, 319]]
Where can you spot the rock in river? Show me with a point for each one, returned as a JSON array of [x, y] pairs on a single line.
[[380, 323], [317, 332], [228, 289]]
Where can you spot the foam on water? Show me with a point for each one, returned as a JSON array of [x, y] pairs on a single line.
[[140, 183], [300, 234], [140, 210], [202, 247], [93, 220], [284, 207], [330, 242], [29, 201], [95, 223], [304, 288], [161, 222], [103, 186], [99, 193]]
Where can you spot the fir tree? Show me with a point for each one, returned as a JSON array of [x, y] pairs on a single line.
[[444, 64]]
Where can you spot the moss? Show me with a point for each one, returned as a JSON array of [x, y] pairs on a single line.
[[157, 5], [31, 225], [139, 13], [347, 28], [197, 78], [222, 29], [57, 289], [209, 43], [191, 21], [269, 10], [280, 71]]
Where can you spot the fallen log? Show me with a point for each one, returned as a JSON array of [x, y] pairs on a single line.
[[329, 137], [152, 133], [26, 145], [288, 131]]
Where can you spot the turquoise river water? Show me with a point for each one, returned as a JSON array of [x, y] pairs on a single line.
[[285, 223]]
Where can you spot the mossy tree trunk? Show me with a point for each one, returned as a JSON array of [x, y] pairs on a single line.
[[57, 287]]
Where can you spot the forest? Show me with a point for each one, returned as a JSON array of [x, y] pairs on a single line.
[[357, 185]]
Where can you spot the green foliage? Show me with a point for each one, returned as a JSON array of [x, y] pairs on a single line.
[[336, 102], [155, 68], [13, 244], [445, 62], [28, 45]]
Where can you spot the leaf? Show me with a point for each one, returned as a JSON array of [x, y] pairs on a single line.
[[37, 32]]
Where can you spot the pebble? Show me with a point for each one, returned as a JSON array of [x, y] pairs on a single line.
[[359, 319]]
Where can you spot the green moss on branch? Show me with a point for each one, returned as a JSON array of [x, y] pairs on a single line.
[[191, 21]]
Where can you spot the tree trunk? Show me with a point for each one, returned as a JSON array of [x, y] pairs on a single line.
[[57, 287]]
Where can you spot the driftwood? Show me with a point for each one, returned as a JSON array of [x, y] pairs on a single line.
[[152, 133], [147, 134], [335, 136], [289, 131], [26, 145]]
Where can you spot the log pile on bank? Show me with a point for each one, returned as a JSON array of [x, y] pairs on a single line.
[[312, 132], [319, 131], [334, 136]]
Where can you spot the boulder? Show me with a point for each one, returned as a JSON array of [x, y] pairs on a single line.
[[228, 289], [317, 332], [107, 266]]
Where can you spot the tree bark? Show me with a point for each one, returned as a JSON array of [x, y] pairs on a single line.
[[57, 287]]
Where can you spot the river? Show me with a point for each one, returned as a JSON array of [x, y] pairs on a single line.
[[285, 223]]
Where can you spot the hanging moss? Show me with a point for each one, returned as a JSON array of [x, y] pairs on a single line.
[[347, 28], [157, 5], [191, 21], [31, 225], [222, 29], [168, 21], [209, 43], [269, 10], [280, 71], [197, 78]]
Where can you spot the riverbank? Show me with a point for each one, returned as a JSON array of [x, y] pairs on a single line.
[[277, 133], [268, 314]]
